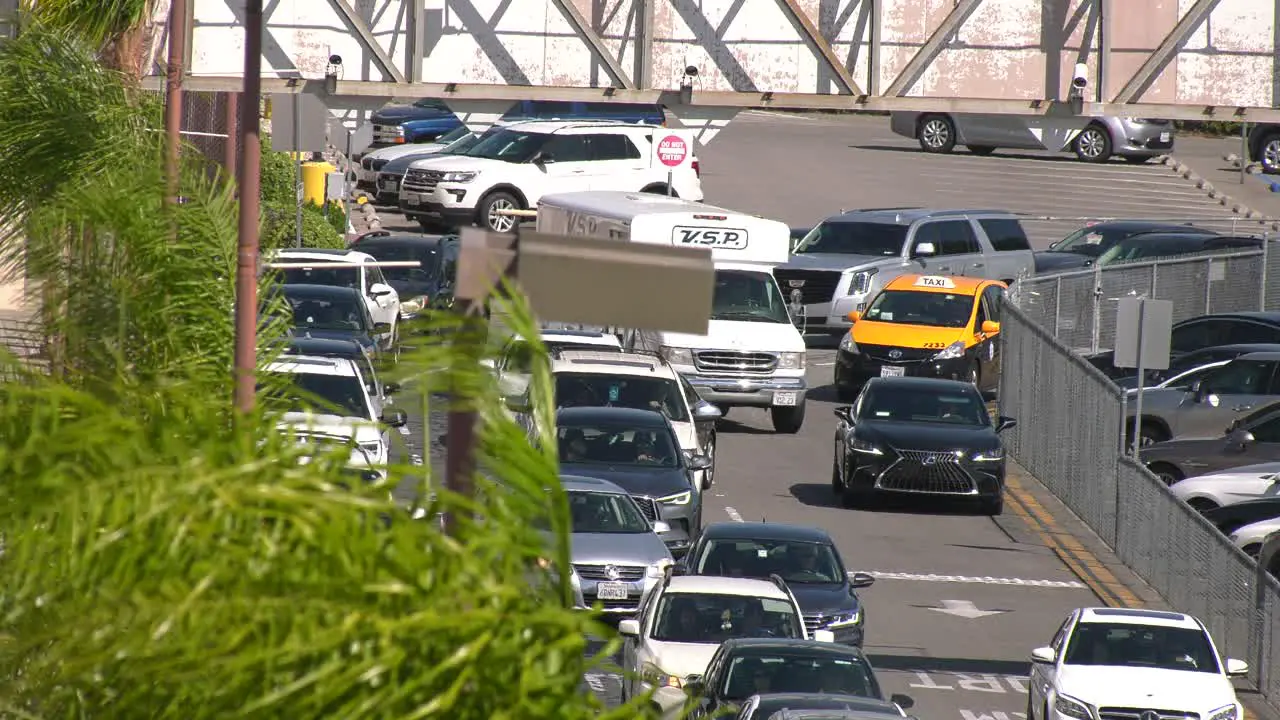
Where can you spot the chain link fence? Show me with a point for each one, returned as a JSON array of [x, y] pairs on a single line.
[[1070, 420], [1079, 307], [207, 126]]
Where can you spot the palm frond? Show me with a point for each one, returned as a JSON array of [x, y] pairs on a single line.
[[97, 22]]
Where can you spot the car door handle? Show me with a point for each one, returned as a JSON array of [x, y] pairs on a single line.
[[978, 265], [577, 172]]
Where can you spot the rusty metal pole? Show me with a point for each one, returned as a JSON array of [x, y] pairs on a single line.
[[173, 95], [232, 148], [460, 428], [246, 355]]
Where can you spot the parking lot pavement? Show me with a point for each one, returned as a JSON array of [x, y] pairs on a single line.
[[1204, 156]]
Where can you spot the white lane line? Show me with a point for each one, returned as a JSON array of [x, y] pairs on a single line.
[[822, 364], [772, 114], [403, 430], [975, 580], [596, 681], [733, 514]]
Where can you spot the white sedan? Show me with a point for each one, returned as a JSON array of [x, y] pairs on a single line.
[[1250, 482], [1251, 537]]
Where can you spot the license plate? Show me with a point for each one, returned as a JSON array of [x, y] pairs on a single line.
[[892, 371], [612, 591], [411, 199], [389, 185], [1164, 137], [784, 398]]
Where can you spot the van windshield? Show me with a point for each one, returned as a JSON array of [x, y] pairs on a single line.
[[748, 296], [839, 237]]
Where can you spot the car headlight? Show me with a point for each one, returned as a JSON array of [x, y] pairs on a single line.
[[458, 177], [677, 356], [791, 361], [863, 446], [952, 351], [681, 498], [846, 619], [1072, 708], [860, 282], [989, 455], [1229, 712], [847, 344], [658, 678], [657, 569]]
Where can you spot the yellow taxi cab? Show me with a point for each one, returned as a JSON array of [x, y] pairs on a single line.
[[924, 326]]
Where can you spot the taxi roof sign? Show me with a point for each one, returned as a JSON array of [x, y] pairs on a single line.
[[935, 281]]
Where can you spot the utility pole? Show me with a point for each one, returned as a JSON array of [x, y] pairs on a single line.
[[246, 353], [173, 95], [231, 150]]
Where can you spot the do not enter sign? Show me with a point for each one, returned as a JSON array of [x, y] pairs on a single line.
[[673, 150]]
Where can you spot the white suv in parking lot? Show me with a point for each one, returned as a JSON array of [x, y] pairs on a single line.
[[512, 167]]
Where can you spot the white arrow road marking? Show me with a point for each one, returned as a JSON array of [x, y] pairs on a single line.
[[403, 430], [965, 609], [733, 514]]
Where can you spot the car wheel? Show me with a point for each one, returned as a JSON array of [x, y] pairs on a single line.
[[1269, 154], [844, 393], [1166, 472], [980, 149], [787, 420], [1093, 144], [937, 134], [1202, 505], [487, 215], [710, 473], [837, 485]]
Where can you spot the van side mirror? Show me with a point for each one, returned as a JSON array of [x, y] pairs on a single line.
[[630, 628], [706, 412], [1005, 423], [903, 701], [380, 289], [1044, 655], [395, 418], [1197, 389], [861, 579], [924, 249], [990, 327], [1236, 668], [844, 413], [854, 316], [517, 403]]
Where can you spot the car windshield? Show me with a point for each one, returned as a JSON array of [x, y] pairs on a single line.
[[1147, 646], [320, 274], [314, 392], [508, 145], [616, 445], [795, 561], [626, 391], [796, 672], [327, 313], [935, 309], [461, 145], [1144, 247], [605, 514], [712, 619], [747, 296], [1091, 241], [924, 404], [454, 135], [388, 250], [854, 238]]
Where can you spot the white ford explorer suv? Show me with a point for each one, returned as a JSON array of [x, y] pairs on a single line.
[[1120, 664], [685, 618], [512, 167]]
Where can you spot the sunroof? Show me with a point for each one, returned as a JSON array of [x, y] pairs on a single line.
[[1153, 614]]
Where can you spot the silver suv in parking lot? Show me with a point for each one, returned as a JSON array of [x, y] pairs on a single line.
[[845, 261], [1093, 140]]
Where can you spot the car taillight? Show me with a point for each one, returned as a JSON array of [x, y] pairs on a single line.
[[697, 169]]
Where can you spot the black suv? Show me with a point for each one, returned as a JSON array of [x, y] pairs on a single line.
[[804, 557]]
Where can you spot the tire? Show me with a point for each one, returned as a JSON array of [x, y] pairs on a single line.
[[983, 150], [844, 393], [1166, 472], [936, 134], [837, 483], [499, 200], [1137, 159], [1253, 550], [1269, 153], [710, 473], [787, 420], [993, 506], [1093, 144], [1202, 505]]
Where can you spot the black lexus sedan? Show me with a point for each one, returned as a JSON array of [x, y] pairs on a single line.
[[919, 436], [325, 312], [638, 451], [805, 557]]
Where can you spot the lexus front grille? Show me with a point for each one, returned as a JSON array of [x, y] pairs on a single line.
[[928, 472], [1124, 713], [625, 573], [733, 361], [815, 621]]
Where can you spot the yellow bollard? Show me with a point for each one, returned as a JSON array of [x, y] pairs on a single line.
[[313, 179]]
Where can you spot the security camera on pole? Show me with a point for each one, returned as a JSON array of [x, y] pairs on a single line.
[[672, 149], [1079, 81]]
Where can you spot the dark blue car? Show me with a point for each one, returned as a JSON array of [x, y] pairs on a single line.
[[326, 312]]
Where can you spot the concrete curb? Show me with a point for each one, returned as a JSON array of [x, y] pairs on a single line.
[[1237, 208]]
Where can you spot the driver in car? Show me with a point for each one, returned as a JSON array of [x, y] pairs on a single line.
[[807, 567]]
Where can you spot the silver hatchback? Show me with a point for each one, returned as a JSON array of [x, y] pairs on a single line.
[[616, 553], [1092, 139]]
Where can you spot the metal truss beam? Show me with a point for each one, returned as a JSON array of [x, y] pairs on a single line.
[[928, 52], [356, 24], [360, 94], [599, 50], [819, 45], [1159, 59]]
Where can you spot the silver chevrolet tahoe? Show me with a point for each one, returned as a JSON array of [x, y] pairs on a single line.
[[843, 262]]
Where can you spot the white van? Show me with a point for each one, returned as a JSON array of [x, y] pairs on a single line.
[[753, 355]]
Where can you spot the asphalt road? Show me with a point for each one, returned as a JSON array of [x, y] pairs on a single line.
[[960, 599]]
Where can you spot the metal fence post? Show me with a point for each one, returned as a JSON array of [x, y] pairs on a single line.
[[1208, 285], [1266, 258], [1155, 276], [1096, 330], [1057, 306]]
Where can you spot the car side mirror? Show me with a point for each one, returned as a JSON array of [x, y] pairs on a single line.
[[543, 158], [1044, 655], [395, 418], [825, 636], [990, 327], [1054, 244], [861, 580], [630, 628], [1241, 437], [706, 412], [382, 328], [903, 701], [924, 249], [390, 388], [661, 527], [1004, 423], [699, 462], [1237, 668], [694, 686], [380, 289], [844, 413], [517, 403], [854, 316]]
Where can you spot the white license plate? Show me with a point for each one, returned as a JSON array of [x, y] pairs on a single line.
[[892, 371], [388, 186], [410, 199], [1164, 137], [611, 591], [784, 398]]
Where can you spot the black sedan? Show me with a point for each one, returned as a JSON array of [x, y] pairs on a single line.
[[1230, 518], [767, 706], [919, 436], [428, 286], [1248, 440], [325, 312], [1082, 247], [805, 557], [744, 667], [638, 451]]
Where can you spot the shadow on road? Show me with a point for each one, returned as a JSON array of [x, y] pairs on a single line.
[[944, 666], [821, 495]]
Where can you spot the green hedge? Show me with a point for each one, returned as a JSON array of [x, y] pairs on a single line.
[[279, 221]]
